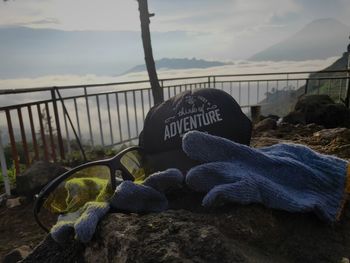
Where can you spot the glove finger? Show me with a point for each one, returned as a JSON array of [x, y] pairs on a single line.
[[209, 148], [63, 229], [168, 179], [86, 225], [136, 198], [243, 192], [203, 178], [61, 233]]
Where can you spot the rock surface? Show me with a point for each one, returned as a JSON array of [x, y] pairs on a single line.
[[233, 233], [36, 177], [17, 254]]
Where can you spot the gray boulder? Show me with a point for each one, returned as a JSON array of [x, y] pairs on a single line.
[[36, 177], [319, 109]]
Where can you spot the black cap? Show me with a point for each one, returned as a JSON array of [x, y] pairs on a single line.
[[208, 110]]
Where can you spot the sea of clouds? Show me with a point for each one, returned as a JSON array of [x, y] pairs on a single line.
[[238, 67]]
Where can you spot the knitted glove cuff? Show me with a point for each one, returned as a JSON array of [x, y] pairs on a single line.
[[347, 185], [346, 193]]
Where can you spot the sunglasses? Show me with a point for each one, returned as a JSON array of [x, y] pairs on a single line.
[[93, 181]]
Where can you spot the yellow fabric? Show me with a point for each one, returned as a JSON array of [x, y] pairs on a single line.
[[76, 192]]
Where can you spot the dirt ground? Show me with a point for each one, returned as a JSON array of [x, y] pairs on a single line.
[[18, 226]]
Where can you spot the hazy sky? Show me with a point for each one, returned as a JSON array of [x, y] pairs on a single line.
[[237, 28]]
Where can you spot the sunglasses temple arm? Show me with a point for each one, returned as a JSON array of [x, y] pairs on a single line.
[[37, 206]]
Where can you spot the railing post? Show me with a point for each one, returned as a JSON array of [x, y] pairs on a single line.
[[4, 168], [306, 86], [57, 121], [35, 144], [23, 135], [49, 126], [255, 112], [214, 82], [13, 142], [161, 82], [42, 132], [208, 81], [88, 115], [347, 98]]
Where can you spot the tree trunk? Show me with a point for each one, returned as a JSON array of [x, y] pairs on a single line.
[[157, 91]]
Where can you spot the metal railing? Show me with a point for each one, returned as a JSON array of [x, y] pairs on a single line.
[[39, 123]]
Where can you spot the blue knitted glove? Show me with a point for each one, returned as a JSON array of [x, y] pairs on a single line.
[[129, 196], [148, 196], [284, 176], [83, 222]]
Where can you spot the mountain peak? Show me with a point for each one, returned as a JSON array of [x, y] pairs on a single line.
[[179, 63], [320, 39]]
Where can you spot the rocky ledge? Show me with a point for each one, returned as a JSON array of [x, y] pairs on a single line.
[[233, 233]]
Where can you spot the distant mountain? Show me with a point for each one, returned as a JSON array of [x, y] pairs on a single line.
[[179, 63], [320, 39], [28, 52]]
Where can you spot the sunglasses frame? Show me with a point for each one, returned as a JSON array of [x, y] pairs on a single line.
[[113, 164]]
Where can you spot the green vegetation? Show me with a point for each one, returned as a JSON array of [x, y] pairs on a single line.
[[73, 159], [335, 88], [11, 174]]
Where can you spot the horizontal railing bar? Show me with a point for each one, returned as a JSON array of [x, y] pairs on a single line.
[[262, 80], [259, 74], [184, 84], [103, 93], [14, 91], [24, 90]]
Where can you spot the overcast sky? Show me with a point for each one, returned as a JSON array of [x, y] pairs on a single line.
[[237, 27]]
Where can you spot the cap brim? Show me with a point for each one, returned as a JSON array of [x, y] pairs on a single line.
[[170, 159]]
